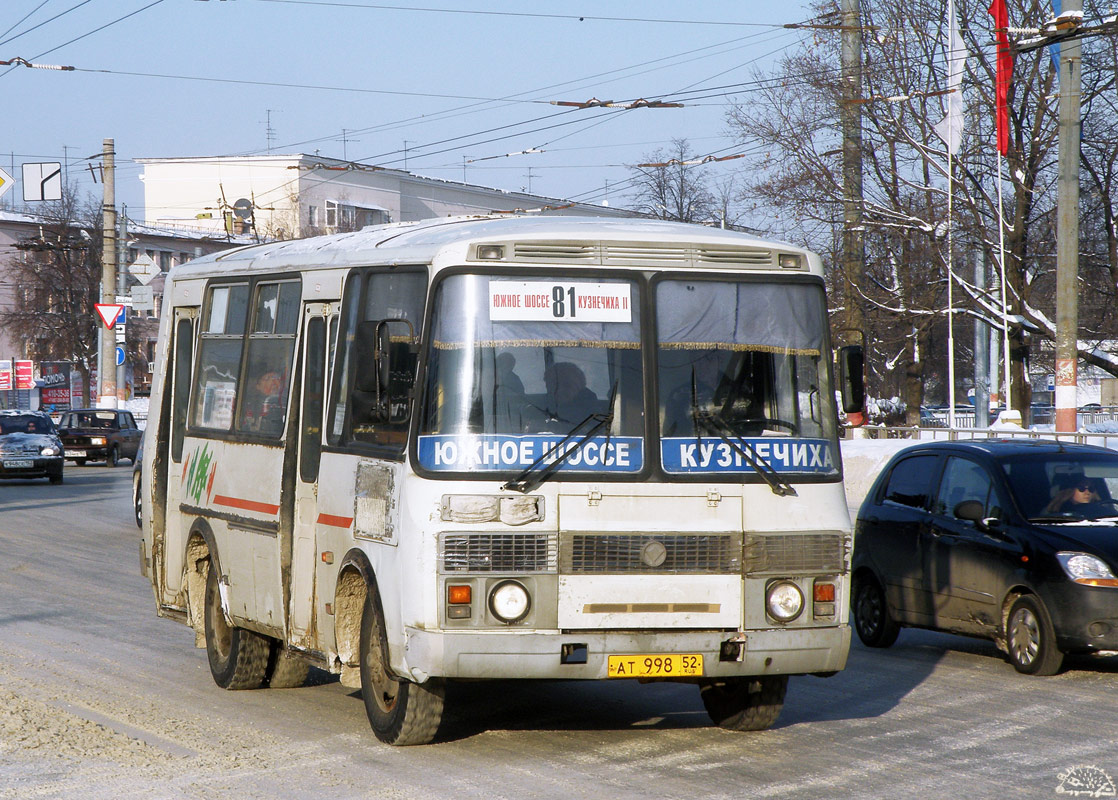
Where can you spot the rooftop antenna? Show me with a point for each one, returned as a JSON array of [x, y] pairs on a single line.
[[269, 131]]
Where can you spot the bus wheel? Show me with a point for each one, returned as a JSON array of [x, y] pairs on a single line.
[[238, 657], [285, 671], [744, 704], [400, 712]]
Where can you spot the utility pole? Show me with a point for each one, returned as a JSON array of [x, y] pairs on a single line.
[[1067, 232], [853, 241], [106, 358], [121, 291]]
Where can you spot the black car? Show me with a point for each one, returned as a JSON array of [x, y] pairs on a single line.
[[99, 434], [1015, 541], [29, 446]]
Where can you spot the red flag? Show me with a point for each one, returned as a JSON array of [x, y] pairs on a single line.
[[1004, 72]]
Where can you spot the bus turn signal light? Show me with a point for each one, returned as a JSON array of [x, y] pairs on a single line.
[[458, 595], [824, 593]]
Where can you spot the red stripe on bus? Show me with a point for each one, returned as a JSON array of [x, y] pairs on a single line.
[[337, 522], [245, 505]]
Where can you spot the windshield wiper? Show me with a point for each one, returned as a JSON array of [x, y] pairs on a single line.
[[534, 474], [713, 423]]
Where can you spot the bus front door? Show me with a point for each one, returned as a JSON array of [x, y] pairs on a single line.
[[169, 469], [301, 633]]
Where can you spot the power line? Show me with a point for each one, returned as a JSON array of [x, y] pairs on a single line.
[[576, 17]]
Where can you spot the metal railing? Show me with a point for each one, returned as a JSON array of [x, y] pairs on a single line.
[[1109, 440]]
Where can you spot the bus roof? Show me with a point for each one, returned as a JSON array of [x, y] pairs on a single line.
[[560, 240]]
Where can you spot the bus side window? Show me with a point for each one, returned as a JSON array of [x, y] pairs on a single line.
[[219, 356], [271, 344]]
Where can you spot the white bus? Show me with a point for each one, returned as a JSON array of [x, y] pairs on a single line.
[[516, 447]]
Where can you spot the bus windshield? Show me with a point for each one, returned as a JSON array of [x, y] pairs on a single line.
[[516, 363], [744, 358]]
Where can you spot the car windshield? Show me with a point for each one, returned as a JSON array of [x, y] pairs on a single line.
[[91, 419], [25, 424], [1064, 486], [515, 364]]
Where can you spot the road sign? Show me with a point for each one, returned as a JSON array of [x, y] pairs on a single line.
[[6, 182], [143, 298], [143, 268], [120, 356], [109, 313], [42, 181]]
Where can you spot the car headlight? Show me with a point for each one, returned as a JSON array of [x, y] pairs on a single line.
[[97, 440], [785, 601], [509, 601], [1087, 569], [48, 450]]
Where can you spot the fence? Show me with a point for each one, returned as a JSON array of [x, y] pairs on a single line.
[[1109, 440]]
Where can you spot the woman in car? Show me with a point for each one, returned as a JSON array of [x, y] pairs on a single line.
[[1081, 496]]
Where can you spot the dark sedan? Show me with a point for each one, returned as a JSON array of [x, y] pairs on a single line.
[[29, 446], [99, 434], [1015, 541]]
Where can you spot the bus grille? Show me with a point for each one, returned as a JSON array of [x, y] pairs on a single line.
[[498, 552], [629, 553], [794, 553]]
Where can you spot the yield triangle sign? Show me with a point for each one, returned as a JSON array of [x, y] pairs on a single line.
[[109, 313]]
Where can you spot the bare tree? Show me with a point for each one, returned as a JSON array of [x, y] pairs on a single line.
[[671, 188], [796, 119], [58, 279]]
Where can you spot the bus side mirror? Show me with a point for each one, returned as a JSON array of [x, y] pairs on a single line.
[[851, 366], [386, 366]]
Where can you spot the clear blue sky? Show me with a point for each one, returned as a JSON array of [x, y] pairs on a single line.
[[454, 80]]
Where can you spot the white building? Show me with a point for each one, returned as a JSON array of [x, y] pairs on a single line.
[[291, 196]]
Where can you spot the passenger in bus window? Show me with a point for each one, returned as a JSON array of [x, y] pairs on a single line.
[[569, 401], [264, 411]]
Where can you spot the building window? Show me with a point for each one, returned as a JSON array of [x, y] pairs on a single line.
[[312, 216]]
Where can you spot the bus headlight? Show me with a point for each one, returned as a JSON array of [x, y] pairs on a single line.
[[785, 601], [509, 601]]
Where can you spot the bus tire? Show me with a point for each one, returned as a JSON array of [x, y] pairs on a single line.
[[400, 712], [285, 671], [238, 657], [744, 704]]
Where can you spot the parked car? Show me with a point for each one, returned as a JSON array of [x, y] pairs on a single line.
[[1015, 541], [29, 446], [99, 434]]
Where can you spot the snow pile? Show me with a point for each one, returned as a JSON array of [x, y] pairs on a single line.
[[863, 459]]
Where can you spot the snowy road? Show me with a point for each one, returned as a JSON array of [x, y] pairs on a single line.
[[99, 699]]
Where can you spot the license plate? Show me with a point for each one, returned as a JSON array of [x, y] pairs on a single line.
[[75, 452], [19, 463], [676, 665]]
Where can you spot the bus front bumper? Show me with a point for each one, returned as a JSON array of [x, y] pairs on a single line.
[[534, 654]]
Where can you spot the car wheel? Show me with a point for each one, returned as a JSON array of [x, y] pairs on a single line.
[[80, 462], [238, 657], [1030, 639], [400, 712], [114, 457], [744, 704], [871, 613]]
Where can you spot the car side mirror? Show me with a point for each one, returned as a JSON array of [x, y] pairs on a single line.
[[972, 511]]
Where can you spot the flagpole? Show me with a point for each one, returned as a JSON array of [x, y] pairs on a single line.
[[1005, 312], [950, 297]]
